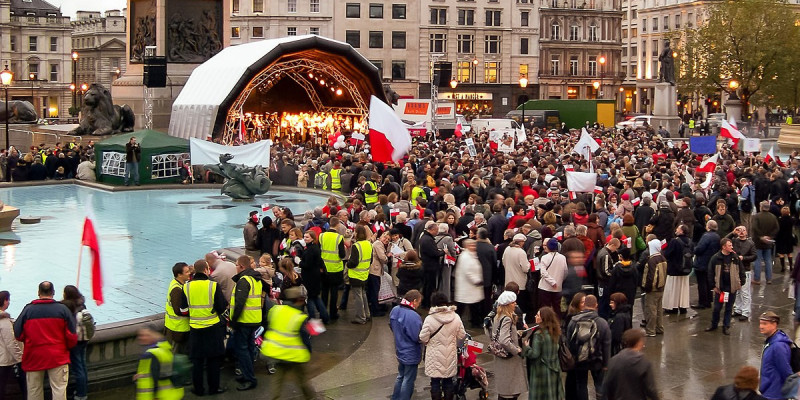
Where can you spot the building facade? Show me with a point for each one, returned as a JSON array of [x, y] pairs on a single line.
[[261, 19], [580, 49], [99, 41], [36, 47]]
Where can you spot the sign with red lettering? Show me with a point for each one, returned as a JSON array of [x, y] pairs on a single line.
[[414, 108]]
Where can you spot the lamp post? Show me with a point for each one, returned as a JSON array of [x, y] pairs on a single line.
[[32, 78], [5, 76], [596, 86], [453, 84], [523, 83], [602, 61], [74, 85], [84, 88]]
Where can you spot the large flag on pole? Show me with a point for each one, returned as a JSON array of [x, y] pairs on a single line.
[[729, 131], [771, 157], [709, 164], [89, 239], [388, 137], [581, 182], [586, 144]]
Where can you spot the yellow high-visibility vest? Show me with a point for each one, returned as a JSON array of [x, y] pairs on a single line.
[[145, 384], [417, 191], [251, 314], [329, 244], [361, 272], [173, 321], [371, 198], [200, 296], [336, 179], [282, 340]]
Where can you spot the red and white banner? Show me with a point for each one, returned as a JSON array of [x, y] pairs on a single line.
[[388, 137], [709, 164]]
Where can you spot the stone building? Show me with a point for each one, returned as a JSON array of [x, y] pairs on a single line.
[[99, 40]]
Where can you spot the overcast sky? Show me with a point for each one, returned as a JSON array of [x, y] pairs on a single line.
[[70, 7]]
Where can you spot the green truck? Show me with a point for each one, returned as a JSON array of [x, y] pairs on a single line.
[[575, 113]]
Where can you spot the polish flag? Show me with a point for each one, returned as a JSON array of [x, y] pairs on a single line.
[[459, 130], [598, 190], [729, 131], [388, 137], [89, 239], [709, 165], [635, 202], [771, 156]]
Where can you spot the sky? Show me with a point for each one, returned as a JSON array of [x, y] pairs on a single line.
[[70, 7]]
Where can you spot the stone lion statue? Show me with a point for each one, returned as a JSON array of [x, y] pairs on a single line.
[[100, 116], [20, 112]]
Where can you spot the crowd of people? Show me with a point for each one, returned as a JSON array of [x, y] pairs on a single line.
[[313, 127], [552, 276], [41, 162]]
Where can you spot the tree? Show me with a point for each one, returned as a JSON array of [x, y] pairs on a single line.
[[742, 40]]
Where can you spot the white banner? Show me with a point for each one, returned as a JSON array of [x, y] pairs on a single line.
[[581, 182], [751, 145], [251, 155]]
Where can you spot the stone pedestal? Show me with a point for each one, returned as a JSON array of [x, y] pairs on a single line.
[[7, 216], [733, 108], [665, 109]]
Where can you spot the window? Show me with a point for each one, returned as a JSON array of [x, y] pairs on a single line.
[[235, 5], [258, 31], [399, 40], [398, 11], [375, 40], [291, 6], [33, 69], [398, 69], [524, 18], [634, 50], [375, 10], [353, 38], [490, 71], [634, 32], [678, 21], [291, 31], [689, 18], [353, 10], [32, 43], [438, 16], [592, 65], [491, 44], [166, 165], [666, 22], [634, 70], [655, 24], [13, 43], [466, 44], [523, 45], [573, 65], [634, 14], [644, 25], [313, 6], [53, 44], [235, 32], [624, 51], [258, 6], [379, 65], [466, 17], [555, 65], [53, 72], [573, 32], [655, 48], [314, 30], [555, 32], [593, 33], [624, 33], [492, 17], [463, 71], [113, 163], [438, 42]]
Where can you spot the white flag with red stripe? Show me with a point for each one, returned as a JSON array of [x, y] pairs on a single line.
[[388, 137], [771, 157], [729, 131], [709, 164]]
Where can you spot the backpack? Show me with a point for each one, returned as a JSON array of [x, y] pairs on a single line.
[[583, 343], [564, 355], [794, 359], [688, 258], [320, 181], [181, 370], [85, 325]]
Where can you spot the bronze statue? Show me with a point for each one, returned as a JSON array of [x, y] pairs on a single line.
[[99, 115], [20, 112], [666, 70], [242, 182], [192, 36]]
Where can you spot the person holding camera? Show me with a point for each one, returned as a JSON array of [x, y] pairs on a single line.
[[133, 154]]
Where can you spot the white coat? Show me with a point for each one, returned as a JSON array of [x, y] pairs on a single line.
[[441, 350], [10, 348], [469, 278]]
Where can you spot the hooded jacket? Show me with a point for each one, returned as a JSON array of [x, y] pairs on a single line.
[[406, 325], [10, 349], [630, 377], [706, 247], [441, 353], [775, 367], [624, 278]]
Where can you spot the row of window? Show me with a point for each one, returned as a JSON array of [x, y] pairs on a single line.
[[466, 71], [353, 10], [466, 17], [466, 44], [258, 31], [574, 66], [666, 26], [353, 38], [33, 68], [574, 33], [33, 43], [291, 6]]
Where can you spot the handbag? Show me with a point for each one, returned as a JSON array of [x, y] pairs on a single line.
[[425, 351], [495, 347], [564, 354], [640, 243], [387, 292]]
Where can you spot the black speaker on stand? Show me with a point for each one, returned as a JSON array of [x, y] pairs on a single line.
[[442, 73], [155, 72]]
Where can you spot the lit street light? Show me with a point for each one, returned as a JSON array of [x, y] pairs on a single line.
[[6, 76], [74, 85], [602, 61], [523, 83]]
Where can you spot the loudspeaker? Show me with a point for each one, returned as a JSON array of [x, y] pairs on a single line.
[[442, 73], [155, 72]]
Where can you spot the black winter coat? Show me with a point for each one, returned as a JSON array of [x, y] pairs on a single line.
[[620, 321], [429, 253], [663, 223], [312, 266], [674, 254], [624, 279]]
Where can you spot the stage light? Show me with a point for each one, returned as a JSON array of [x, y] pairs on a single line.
[[332, 89], [310, 75], [338, 92], [322, 82]]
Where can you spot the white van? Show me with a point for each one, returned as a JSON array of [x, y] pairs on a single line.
[[480, 124]]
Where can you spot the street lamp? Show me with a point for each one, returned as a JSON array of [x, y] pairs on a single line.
[[5, 76], [74, 85], [602, 61], [733, 85], [84, 87], [596, 86], [523, 83], [32, 78]]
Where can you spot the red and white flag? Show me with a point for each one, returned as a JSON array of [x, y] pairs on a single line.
[[635, 202], [459, 130], [388, 137], [598, 190], [729, 131], [709, 164], [771, 157], [89, 239]]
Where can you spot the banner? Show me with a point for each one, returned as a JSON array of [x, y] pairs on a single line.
[[251, 155], [703, 144], [751, 145], [581, 182], [471, 147]]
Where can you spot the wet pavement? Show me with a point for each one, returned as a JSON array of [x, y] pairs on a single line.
[[358, 362]]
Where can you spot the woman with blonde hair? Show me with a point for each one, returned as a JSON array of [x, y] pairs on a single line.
[[509, 372]]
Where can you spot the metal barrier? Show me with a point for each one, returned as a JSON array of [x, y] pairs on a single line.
[[24, 138]]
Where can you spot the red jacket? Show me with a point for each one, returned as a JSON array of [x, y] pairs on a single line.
[[48, 330]]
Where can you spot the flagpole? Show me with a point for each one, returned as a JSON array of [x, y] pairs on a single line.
[[80, 256]]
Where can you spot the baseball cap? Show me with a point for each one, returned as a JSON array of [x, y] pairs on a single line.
[[770, 316]]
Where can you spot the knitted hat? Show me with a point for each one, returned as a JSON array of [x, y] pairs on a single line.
[[506, 298], [552, 244]]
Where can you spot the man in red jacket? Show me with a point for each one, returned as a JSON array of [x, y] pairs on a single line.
[[48, 330]]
